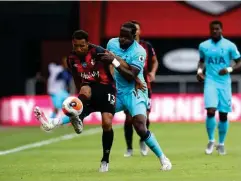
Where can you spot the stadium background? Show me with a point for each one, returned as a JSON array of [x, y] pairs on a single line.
[[33, 34]]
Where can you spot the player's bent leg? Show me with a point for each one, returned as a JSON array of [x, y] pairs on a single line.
[[84, 96], [143, 147], [47, 124], [210, 127], [139, 122], [107, 140], [128, 130], [222, 132]]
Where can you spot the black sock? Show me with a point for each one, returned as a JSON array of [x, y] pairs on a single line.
[[128, 129], [107, 140]]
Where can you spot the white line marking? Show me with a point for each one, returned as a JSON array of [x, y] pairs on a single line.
[[53, 140]]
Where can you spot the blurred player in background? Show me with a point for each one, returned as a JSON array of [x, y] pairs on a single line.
[[216, 54], [150, 68], [96, 88], [58, 85], [128, 98]]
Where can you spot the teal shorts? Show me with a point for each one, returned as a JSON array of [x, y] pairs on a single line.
[[134, 103], [217, 97]]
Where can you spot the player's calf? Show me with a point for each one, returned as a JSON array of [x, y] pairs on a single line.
[[128, 131], [210, 127], [150, 140], [107, 140]]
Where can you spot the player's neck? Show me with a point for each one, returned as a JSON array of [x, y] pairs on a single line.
[[215, 40], [138, 40]]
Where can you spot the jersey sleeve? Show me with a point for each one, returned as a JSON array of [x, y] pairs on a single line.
[[138, 59], [234, 53], [100, 49], [109, 45], [201, 52]]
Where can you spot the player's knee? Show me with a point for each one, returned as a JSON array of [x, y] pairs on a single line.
[[223, 117], [211, 112], [85, 92], [140, 125], [107, 121]]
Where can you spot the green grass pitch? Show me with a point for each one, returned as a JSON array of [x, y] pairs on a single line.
[[78, 159]]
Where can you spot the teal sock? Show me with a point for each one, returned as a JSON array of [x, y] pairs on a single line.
[[210, 126], [152, 143], [65, 120], [53, 115], [222, 131]]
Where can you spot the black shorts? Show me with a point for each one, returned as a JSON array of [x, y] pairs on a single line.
[[103, 99]]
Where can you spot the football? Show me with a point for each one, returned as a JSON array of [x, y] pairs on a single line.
[[72, 106]]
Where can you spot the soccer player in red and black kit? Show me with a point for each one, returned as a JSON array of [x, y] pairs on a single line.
[[151, 66], [95, 84]]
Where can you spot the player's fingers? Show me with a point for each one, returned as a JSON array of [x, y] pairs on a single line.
[[101, 54]]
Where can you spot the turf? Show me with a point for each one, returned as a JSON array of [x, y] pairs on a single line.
[[78, 159]]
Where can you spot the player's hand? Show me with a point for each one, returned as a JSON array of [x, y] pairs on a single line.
[[106, 57], [200, 77], [223, 71], [151, 76], [139, 85]]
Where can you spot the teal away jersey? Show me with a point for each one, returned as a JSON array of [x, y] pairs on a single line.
[[135, 56], [217, 56]]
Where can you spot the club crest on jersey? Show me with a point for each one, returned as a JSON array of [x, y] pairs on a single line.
[[84, 64], [141, 58]]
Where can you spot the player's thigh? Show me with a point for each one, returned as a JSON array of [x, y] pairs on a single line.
[[225, 100], [211, 98], [137, 103]]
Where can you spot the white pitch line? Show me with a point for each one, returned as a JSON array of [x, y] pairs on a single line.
[[52, 140]]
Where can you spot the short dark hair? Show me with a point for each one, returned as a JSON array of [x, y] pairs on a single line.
[[216, 22], [80, 34], [136, 22], [130, 25]]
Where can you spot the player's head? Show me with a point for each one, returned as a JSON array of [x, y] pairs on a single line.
[[138, 28], [80, 42], [127, 35], [216, 29]]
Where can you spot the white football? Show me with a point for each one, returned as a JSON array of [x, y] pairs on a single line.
[[72, 106]]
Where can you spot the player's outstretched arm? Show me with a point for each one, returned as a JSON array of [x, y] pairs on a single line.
[[128, 72]]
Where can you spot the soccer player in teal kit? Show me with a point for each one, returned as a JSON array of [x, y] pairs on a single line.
[[216, 54], [127, 49]]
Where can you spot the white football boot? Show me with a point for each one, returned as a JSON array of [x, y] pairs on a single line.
[[221, 150], [143, 148], [210, 147], [128, 153], [166, 163], [77, 124], [104, 166], [47, 124]]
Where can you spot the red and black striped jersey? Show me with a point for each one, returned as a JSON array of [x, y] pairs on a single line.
[[88, 69]]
